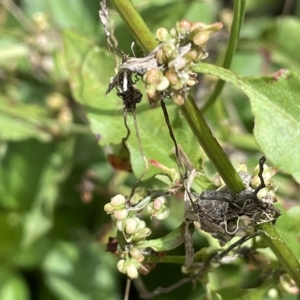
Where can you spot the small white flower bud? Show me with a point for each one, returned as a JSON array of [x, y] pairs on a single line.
[[119, 225], [131, 225], [117, 200], [132, 271], [121, 214], [121, 266]]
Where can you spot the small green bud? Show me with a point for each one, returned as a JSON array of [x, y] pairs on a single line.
[[108, 208], [141, 234], [139, 194], [173, 32]]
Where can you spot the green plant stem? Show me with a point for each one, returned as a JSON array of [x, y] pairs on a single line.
[[137, 25], [209, 143], [280, 249], [177, 259], [211, 147], [238, 15]]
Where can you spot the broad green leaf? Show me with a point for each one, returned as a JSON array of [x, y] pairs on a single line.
[[32, 256], [90, 68], [20, 122], [275, 105], [39, 220], [24, 121], [83, 272], [281, 39], [20, 169], [10, 234], [81, 15], [13, 286], [288, 227]]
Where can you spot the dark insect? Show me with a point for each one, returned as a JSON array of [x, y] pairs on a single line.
[[126, 89]]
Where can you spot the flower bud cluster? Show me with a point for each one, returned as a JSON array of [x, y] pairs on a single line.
[[117, 207], [131, 263], [134, 229], [159, 208], [179, 49]]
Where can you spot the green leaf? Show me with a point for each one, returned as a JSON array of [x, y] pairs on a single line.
[[275, 106], [81, 15], [90, 68], [10, 234], [288, 227], [20, 170], [13, 286], [30, 121], [39, 220], [83, 272], [281, 39], [21, 122]]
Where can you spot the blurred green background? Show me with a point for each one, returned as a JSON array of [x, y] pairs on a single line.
[[55, 177]]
